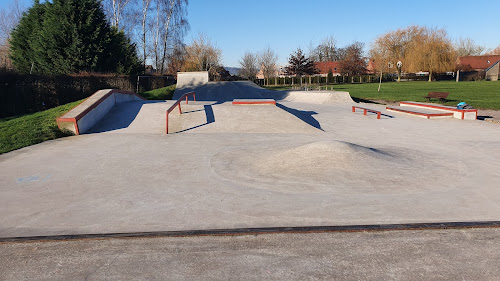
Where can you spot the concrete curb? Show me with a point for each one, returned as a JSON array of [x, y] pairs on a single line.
[[256, 231]]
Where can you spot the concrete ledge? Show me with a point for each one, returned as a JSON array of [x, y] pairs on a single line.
[[195, 78], [420, 113], [85, 115], [254, 101], [463, 114]]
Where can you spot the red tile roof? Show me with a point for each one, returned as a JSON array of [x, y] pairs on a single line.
[[324, 66], [478, 62]]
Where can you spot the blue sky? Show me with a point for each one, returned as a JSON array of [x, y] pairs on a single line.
[[236, 26], [284, 25]]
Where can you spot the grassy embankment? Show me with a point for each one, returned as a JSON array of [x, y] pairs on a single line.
[[165, 93], [20, 131], [25, 130], [479, 94]]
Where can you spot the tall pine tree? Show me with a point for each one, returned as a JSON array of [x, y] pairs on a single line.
[[299, 65], [73, 36]]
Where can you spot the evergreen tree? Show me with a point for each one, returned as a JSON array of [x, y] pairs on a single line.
[[299, 65], [73, 36], [330, 75], [22, 53]]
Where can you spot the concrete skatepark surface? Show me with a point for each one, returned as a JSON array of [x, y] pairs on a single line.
[[303, 162]]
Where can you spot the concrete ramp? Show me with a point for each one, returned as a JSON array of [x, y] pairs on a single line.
[[85, 115], [227, 91], [224, 91]]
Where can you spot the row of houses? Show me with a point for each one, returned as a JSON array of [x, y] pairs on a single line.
[[323, 67], [486, 66]]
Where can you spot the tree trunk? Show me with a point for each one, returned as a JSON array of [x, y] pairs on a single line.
[[430, 76], [145, 4], [167, 24], [157, 34], [380, 82]]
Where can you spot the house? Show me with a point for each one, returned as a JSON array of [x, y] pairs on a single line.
[[371, 67], [487, 65], [492, 72], [324, 67]]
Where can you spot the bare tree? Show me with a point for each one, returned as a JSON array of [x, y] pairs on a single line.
[[467, 47], [249, 66], [327, 50], [393, 46], [431, 51], [202, 55], [174, 16], [267, 60], [169, 25], [496, 51], [9, 18], [145, 6], [115, 9], [353, 63]]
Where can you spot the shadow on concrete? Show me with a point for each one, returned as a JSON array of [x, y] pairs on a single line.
[[484, 117], [305, 116], [358, 100], [209, 114], [119, 117]]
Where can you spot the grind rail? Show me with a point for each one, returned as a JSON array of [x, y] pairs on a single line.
[[178, 103]]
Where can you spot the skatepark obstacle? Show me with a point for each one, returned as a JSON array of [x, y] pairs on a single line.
[[178, 103], [85, 115], [196, 78], [365, 110], [254, 101]]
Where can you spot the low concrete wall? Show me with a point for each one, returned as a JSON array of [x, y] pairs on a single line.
[[82, 117], [318, 97], [191, 78]]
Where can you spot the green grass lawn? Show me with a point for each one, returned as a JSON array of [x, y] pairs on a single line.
[[20, 131], [165, 93], [479, 94]]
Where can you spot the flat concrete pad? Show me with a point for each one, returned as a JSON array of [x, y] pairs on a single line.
[[296, 164]]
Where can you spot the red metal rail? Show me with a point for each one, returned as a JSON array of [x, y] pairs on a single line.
[[178, 103], [365, 110]]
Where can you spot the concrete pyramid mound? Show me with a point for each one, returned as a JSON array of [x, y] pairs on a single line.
[[337, 166]]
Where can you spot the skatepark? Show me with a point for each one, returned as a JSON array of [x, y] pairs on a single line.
[[306, 161]]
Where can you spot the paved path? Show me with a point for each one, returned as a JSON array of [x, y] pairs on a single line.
[[471, 254]]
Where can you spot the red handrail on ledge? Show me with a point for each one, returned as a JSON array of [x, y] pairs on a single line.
[[178, 103]]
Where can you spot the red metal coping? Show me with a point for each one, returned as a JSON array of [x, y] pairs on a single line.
[[255, 102], [94, 105], [438, 107], [428, 115]]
